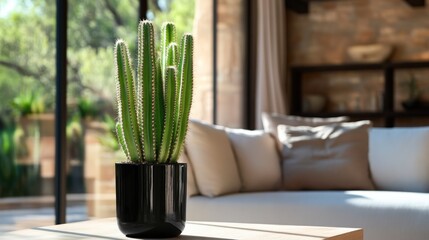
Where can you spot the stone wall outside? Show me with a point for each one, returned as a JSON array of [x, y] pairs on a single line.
[[230, 63]]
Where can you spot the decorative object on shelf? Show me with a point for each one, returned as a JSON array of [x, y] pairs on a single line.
[[413, 100], [370, 53], [153, 114], [313, 103]]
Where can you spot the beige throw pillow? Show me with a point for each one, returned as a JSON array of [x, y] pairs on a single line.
[[271, 121], [330, 157], [192, 188], [212, 158], [257, 158]]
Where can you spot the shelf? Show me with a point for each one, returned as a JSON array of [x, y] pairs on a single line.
[[418, 64], [302, 6], [388, 113], [418, 113], [416, 3], [343, 67], [359, 66]]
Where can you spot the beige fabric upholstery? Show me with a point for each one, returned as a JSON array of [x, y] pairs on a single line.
[[326, 157], [257, 158], [192, 188], [399, 158], [212, 158], [271, 121]]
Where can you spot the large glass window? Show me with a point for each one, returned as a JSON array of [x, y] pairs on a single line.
[[92, 149], [231, 47], [230, 74], [27, 88], [202, 105], [193, 16]]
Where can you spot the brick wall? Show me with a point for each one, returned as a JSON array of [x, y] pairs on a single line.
[[323, 35], [230, 62]]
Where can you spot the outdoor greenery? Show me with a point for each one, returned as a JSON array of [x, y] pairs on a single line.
[[8, 168], [154, 108], [27, 44], [15, 180], [28, 102], [27, 59]]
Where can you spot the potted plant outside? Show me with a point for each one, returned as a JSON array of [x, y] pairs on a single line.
[[30, 107], [413, 100], [153, 114]]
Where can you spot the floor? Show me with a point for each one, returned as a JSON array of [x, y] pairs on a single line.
[[16, 219], [35, 211]]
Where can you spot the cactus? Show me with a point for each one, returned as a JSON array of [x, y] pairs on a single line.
[[154, 108]]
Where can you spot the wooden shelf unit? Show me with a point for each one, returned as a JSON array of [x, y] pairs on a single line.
[[388, 112]]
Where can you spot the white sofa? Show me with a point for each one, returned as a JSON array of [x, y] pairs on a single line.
[[397, 210]]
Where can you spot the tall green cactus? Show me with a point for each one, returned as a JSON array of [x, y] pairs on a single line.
[[153, 110]]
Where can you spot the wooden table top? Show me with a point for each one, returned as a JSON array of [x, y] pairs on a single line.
[[107, 229]]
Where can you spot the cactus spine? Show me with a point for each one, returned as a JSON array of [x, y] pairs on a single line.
[[153, 111]]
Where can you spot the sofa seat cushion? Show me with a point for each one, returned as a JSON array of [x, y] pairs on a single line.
[[383, 215]]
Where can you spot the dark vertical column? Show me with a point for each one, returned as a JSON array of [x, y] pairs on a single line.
[[299, 6], [60, 111], [388, 101], [214, 61], [249, 89], [246, 79], [142, 9]]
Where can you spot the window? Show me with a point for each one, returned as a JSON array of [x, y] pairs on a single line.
[[27, 77], [92, 149]]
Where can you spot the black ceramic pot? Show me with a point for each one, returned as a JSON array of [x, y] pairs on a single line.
[[151, 199]]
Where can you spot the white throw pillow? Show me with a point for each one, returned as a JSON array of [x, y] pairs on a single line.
[[257, 158], [399, 158], [212, 159]]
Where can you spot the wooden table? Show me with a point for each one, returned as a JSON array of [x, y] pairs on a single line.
[[107, 229]]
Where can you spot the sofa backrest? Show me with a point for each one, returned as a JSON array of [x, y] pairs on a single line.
[[398, 158]]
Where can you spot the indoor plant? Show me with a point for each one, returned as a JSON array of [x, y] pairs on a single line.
[[153, 113], [413, 100]]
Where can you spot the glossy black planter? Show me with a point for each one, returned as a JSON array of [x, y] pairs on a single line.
[[151, 199]]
